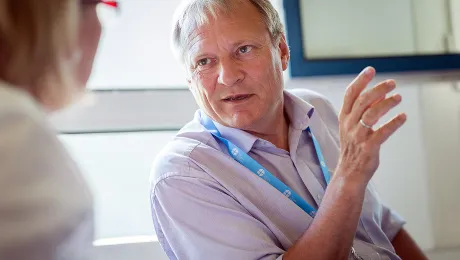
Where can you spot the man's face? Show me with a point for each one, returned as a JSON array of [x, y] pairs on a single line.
[[235, 69]]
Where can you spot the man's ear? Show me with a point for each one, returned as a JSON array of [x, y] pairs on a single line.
[[189, 84], [188, 78], [284, 51]]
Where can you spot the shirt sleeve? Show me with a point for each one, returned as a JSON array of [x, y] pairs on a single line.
[[392, 222], [45, 206], [197, 219]]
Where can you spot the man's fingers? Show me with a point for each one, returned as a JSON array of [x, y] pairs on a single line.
[[376, 111], [369, 98], [384, 132], [356, 87]]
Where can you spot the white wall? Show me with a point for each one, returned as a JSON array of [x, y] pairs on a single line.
[[117, 167], [441, 124], [137, 251]]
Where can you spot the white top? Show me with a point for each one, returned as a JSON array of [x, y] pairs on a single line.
[[45, 205]]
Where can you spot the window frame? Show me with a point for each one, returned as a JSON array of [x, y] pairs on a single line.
[[304, 67]]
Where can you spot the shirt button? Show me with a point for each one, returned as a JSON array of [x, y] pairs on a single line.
[[319, 196]]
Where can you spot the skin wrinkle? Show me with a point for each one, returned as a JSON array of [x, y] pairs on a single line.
[[193, 34]]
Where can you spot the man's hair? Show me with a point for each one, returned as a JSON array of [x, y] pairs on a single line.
[[37, 41], [194, 13]]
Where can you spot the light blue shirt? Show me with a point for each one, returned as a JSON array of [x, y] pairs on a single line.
[[205, 205]]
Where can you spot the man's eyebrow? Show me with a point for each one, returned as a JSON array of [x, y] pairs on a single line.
[[238, 43], [247, 42], [200, 55]]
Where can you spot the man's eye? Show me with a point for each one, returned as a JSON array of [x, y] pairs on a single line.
[[203, 62], [245, 49]]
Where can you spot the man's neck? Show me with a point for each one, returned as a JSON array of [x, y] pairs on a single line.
[[276, 131]]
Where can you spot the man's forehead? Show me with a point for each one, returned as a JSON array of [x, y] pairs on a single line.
[[197, 39], [228, 28]]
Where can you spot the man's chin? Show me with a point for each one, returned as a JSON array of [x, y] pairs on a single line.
[[243, 122]]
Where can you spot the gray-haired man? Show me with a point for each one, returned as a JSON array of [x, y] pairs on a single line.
[[247, 178]]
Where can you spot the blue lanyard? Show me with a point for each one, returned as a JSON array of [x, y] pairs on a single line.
[[251, 164]]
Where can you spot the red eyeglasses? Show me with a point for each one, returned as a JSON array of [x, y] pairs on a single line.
[[112, 3], [115, 4]]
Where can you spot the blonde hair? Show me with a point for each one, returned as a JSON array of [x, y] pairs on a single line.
[[38, 42], [194, 13]]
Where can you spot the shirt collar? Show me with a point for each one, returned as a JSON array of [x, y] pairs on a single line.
[[298, 111], [238, 137], [244, 140]]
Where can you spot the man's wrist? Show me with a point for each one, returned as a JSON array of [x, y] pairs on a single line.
[[349, 180]]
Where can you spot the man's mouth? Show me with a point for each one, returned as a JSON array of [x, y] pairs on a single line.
[[237, 98]]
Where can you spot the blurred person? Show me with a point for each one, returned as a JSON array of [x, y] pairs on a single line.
[[266, 173], [47, 48]]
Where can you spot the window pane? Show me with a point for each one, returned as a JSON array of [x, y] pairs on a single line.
[[117, 168], [135, 48]]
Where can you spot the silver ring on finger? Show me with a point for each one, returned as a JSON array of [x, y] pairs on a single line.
[[364, 124]]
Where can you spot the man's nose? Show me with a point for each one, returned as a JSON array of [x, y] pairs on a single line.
[[230, 72]]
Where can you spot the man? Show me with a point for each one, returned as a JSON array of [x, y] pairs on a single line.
[[247, 178]]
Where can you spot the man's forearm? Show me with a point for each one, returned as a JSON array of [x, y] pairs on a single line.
[[406, 248], [331, 234]]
